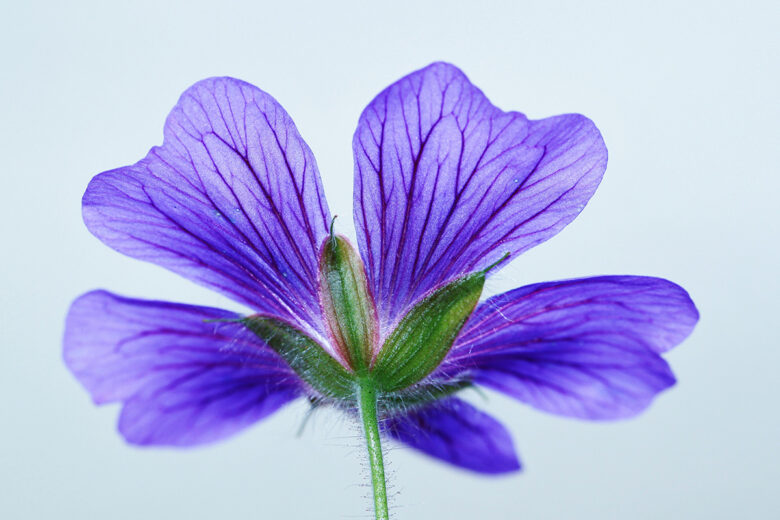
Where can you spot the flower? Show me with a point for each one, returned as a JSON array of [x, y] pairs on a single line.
[[448, 188]]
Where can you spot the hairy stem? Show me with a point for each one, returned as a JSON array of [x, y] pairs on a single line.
[[367, 401]]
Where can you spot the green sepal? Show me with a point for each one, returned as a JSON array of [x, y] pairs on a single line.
[[346, 302], [425, 335], [305, 356]]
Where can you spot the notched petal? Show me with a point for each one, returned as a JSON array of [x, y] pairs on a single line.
[[231, 200], [446, 183]]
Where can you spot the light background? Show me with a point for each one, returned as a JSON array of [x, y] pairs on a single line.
[[686, 95]]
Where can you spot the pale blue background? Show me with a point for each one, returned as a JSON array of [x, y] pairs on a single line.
[[686, 95]]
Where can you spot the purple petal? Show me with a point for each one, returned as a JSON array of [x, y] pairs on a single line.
[[231, 200], [184, 378], [446, 183], [454, 431], [586, 348]]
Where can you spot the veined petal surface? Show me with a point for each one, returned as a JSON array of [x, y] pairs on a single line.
[[232, 200], [586, 348], [183, 377], [454, 431], [446, 183]]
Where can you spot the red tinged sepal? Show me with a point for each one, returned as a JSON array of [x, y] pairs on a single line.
[[347, 304]]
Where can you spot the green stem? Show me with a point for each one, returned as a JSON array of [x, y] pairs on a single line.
[[367, 401]]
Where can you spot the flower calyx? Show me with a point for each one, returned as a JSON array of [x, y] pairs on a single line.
[[400, 369]]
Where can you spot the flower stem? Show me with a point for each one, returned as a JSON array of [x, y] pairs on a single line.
[[367, 401]]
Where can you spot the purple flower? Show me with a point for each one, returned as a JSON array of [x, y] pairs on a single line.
[[447, 189]]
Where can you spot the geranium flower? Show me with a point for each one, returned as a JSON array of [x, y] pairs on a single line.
[[448, 188]]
